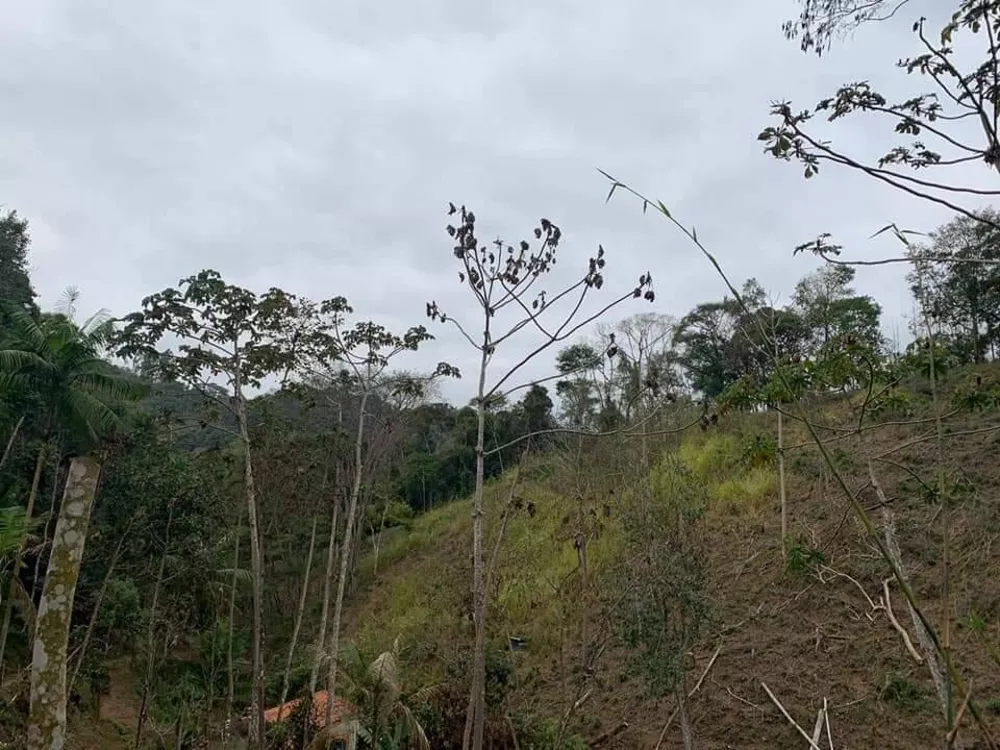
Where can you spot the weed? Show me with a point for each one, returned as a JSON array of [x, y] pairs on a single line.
[[802, 558], [903, 694], [975, 621], [759, 450]]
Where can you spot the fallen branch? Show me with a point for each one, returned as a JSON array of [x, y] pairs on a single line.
[[691, 693], [752, 705], [826, 715], [852, 580], [958, 717], [788, 716], [818, 729], [887, 605], [924, 637]]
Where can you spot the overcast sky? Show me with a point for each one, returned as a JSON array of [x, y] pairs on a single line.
[[314, 146]]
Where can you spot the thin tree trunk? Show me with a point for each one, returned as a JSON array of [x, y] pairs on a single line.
[[781, 483], [377, 538], [687, 735], [475, 717], [345, 559], [19, 556], [324, 617], [47, 719], [179, 731], [147, 682], [10, 442], [52, 514], [257, 572], [92, 623], [298, 619], [231, 626]]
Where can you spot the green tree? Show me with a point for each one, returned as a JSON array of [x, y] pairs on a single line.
[[358, 356], [579, 391], [385, 709], [822, 21], [536, 410], [75, 397], [703, 336], [645, 360], [831, 308], [956, 280], [15, 284], [232, 333]]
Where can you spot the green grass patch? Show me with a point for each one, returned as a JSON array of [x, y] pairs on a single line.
[[733, 487]]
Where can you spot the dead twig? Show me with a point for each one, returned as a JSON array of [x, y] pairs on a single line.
[[958, 717], [861, 588], [743, 700], [887, 606], [826, 715]]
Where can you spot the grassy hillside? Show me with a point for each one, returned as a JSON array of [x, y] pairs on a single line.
[[801, 625]]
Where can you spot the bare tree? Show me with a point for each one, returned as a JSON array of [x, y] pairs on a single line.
[[504, 281], [954, 124], [358, 357], [822, 21]]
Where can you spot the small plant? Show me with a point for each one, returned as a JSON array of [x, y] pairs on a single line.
[[902, 693], [544, 735], [977, 397], [975, 621], [802, 558], [892, 402], [759, 450]]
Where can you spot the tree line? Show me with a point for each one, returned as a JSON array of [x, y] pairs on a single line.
[[198, 473]]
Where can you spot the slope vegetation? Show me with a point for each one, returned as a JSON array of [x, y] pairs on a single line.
[[811, 625]]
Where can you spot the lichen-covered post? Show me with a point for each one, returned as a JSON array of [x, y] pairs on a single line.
[[47, 723]]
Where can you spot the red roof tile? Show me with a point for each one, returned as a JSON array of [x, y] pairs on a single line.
[[341, 709]]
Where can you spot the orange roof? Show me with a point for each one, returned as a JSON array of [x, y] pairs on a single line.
[[341, 709]]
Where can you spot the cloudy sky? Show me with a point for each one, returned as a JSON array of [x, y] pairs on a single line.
[[314, 146]]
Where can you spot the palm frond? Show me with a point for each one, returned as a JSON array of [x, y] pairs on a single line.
[[242, 575], [67, 301], [413, 727], [89, 414], [427, 694], [14, 527], [21, 327], [95, 326], [19, 360], [385, 671], [100, 381]]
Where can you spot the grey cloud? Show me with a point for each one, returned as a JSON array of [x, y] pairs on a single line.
[[314, 146]]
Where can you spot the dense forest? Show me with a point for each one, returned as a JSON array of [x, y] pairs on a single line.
[[229, 498]]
